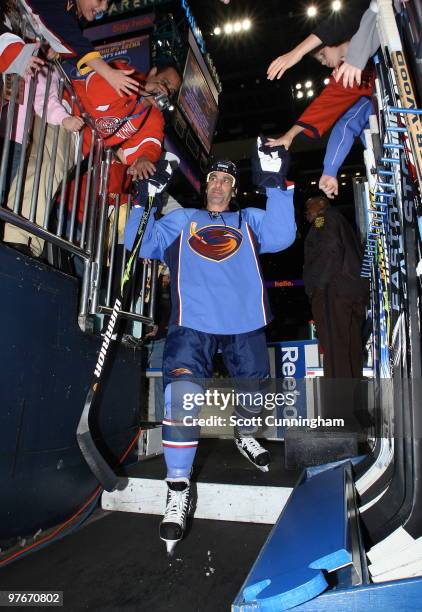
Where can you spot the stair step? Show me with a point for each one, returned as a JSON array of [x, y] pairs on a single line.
[[219, 502]]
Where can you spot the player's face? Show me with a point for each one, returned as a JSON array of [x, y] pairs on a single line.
[[220, 190], [91, 8]]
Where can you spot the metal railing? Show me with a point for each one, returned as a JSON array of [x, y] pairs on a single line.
[[54, 192]]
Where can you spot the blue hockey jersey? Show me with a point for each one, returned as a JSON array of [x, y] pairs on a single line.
[[216, 280]]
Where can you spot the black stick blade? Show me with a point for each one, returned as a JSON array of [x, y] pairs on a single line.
[[98, 466], [107, 478]]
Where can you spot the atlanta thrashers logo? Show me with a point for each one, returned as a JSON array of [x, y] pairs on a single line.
[[215, 242], [180, 372]]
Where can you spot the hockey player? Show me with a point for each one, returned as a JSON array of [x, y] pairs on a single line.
[[218, 301]]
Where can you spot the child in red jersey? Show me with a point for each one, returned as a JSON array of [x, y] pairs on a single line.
[[133, 125], [331, 104]]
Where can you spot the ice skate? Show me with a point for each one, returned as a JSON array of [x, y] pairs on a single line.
[[172, 527], [253, 451]]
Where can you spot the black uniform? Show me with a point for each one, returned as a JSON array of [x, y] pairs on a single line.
[[338, 295]]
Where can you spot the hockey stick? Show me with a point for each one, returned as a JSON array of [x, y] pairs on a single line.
[[100, 468], [408, 114], [390, 38], [96, 462]]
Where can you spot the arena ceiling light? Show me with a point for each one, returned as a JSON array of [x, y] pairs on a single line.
[[312, 11], [234, 27], [326, 81], [303, 89], [336, 5]]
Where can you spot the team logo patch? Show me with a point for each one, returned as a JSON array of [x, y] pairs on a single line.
[[107, 126], [180, 372], [319, 222], [215, 242]]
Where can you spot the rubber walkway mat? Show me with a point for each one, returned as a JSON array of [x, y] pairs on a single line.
[[119, 563]]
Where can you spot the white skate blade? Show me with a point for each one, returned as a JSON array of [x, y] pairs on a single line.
[[170, 546]]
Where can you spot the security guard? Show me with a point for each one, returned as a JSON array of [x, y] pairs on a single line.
[[333, 284]]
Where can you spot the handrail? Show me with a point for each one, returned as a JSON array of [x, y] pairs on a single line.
[[9, 216], [39, 201]]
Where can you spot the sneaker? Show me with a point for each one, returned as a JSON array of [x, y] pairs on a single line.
[[173, 525], [252, 450]]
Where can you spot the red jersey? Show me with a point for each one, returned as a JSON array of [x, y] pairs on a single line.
[[330, 105], [10, 47], [126, 121]]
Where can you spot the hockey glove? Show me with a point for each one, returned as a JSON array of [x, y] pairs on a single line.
[[269, 165], [158, 181]]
